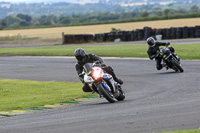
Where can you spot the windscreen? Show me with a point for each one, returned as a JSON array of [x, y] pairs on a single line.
[[88, 67]]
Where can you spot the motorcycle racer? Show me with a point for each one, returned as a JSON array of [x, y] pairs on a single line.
[[83, 58], [153, 51]]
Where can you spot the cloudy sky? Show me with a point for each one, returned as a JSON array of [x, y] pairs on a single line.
[[31, 1], [17, 1]]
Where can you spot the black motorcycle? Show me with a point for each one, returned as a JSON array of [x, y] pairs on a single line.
[[170, 60]]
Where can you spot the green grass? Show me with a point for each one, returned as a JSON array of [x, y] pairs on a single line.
[[17, 38], [185, 51], [19, 94], [184, 131]]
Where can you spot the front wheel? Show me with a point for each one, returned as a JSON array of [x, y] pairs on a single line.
[[106, 93], [177, 65]]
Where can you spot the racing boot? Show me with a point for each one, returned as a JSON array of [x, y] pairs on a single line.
[[111, 71], [119, 81], [178, 58], [165, 65]]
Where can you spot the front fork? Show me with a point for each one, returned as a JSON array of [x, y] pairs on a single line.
[[107, 87], [115, 87], [168, 62]]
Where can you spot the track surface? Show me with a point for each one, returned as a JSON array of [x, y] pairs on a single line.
[[155, 100]]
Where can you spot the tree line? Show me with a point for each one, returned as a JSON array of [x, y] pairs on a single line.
[[157, 13]]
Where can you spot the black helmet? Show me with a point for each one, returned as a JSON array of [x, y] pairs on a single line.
[[151, 41], [80, 54]]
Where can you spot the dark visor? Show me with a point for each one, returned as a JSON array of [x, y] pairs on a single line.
[[79, 57]]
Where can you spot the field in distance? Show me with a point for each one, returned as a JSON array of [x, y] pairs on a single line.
[[93, 29]]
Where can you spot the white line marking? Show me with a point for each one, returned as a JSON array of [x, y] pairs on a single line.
[[72, 57]]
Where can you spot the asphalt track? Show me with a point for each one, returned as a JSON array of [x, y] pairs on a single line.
[[155, 100]]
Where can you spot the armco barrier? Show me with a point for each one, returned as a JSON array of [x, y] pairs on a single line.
[[135, 35]]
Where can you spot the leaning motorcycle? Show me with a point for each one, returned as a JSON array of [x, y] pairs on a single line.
[[103, 83], [170, 60]]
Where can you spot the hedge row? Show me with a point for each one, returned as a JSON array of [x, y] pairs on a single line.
[[136, 35]]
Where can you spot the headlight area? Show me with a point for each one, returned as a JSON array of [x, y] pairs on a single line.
[[97, 73]]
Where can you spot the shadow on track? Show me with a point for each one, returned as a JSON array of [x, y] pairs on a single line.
[[171, 72], [153, 74], [107, 103]]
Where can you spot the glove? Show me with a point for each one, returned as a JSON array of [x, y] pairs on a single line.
[[97, 63], [168, 43], [152, 57], [158, 53]]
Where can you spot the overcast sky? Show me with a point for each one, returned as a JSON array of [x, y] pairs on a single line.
[[31, 1], [16, 1]]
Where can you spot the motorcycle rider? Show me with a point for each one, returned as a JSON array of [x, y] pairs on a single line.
[[153, 51], [83, 58]]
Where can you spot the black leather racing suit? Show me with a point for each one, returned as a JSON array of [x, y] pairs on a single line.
[[153, 53], [91, 58]]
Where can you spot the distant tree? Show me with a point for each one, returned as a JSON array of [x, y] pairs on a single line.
[[35, 22], [181, 11], [107, 16], [3, 23], [54, 18], [144, 14], [166, 12], [1, 26], [157, 13], [194, 9], [12, 20], [25, 17], [126, 15], [45, 20], [64, 20], [23, 23]]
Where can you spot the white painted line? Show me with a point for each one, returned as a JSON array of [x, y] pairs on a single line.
[[72, 57]]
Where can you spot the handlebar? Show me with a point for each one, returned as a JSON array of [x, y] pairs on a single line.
[[167, 44], [98, 64]]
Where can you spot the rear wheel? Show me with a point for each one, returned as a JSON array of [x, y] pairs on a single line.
[[177, 65], [106, 93]]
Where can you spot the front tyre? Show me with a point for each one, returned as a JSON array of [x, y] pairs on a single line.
[[106, 93], [177, 65]]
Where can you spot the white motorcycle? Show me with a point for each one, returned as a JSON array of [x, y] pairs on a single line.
[[103, 83]]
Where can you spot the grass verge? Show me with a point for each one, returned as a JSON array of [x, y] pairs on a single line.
[[185, 51], [184, 131], [19, 94]]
